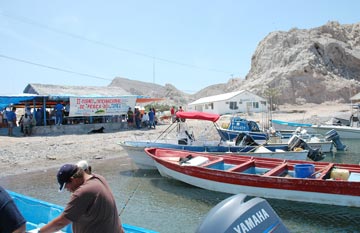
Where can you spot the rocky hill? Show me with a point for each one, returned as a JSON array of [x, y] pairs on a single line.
[[173, 95], [298, 66]]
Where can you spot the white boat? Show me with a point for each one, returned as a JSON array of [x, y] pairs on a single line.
[[348, 129], [323, 146], [324, 143], [315, 182], [135, 150], [347, 132]]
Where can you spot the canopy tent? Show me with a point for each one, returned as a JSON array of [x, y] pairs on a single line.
[[38, 100], [198, 116], [6, 101]]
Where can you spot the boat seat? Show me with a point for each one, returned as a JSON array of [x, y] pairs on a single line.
[[242, 167], [276, 170], [209, 164], [324, 171]]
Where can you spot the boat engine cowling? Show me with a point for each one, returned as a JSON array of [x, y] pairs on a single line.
[[244, 139], [314, 154], [235, 215], [333, 136]]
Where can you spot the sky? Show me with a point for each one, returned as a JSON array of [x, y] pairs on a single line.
[[190, 44]]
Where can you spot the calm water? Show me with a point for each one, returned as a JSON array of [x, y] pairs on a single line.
[[148, 200]]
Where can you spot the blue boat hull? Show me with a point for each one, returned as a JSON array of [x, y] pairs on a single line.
[[37, 213]]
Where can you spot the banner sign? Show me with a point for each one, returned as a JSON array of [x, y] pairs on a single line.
[[101, 106]]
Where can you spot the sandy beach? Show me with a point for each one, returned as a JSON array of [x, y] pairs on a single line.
[[23, 154]]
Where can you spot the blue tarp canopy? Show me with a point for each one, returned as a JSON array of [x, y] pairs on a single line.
[[6, 101]]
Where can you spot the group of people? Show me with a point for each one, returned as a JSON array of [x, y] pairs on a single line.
[[30, 119], [173, 112], [91, 208], [146, 119], [27, 122]]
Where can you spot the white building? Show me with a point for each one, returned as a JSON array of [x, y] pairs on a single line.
[[230, 103]]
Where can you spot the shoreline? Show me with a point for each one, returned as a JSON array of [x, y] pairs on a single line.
[[20, 155]]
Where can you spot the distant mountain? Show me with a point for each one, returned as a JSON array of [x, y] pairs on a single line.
[[299, 66], [173, 95]]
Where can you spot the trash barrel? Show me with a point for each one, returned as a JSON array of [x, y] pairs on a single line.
[[304, 170]]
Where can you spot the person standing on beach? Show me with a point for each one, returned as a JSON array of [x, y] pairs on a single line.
[[11, 119], [26, 124], [11, 220], [137, 118], [151, 119], [4, 113], [59, 108], [92, 207], [172, 112], [130, 117]]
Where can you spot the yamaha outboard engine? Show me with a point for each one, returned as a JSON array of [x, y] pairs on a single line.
[[314, 154], [244, 139], [333, 136], [235, 215]]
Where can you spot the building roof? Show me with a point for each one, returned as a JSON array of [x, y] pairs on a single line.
[[67, 91], [216, 98], [356, 97]]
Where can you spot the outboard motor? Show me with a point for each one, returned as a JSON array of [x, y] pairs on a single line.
[[333, 136], [314, 154], [235, 215], [244, 139]]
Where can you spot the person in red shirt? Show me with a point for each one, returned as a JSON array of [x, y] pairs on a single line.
[[172, 112]]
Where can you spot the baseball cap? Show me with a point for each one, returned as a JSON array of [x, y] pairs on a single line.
[[64, 174]]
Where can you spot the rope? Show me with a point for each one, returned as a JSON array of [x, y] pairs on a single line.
[[127, 201]]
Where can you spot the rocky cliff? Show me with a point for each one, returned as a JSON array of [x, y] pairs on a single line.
[[316, 65], [298, 66]]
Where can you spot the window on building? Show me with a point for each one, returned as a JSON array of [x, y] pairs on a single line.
[[255, 104], [248, 105], [209, 106], [198, 108], [233, 106]]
